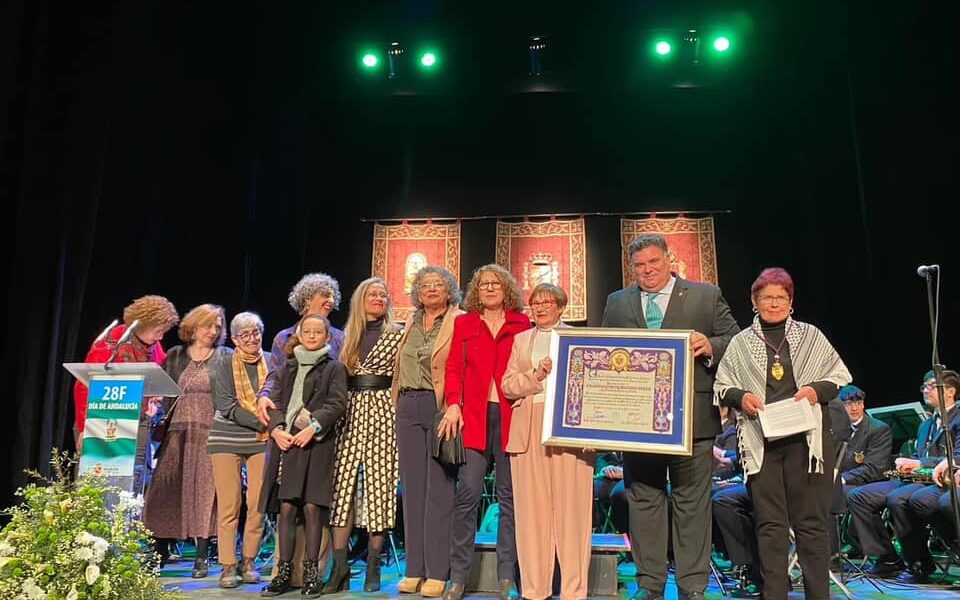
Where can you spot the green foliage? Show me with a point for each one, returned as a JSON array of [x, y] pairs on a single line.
[[65, 541]]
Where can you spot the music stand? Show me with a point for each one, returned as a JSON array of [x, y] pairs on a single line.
[[903, 419]]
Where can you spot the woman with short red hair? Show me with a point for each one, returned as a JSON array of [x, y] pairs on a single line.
[[778, 359]]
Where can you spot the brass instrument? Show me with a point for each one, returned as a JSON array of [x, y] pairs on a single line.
[[921, 475]]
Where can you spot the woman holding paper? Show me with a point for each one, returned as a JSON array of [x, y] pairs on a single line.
[[779, 359], [552, 487]]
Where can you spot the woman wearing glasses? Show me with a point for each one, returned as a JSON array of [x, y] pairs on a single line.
[[552, 487], [482, 341], [418, 385], [237, 440], [365, 488], [790, 479]]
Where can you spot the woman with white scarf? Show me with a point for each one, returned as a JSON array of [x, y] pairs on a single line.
[[790, 479]]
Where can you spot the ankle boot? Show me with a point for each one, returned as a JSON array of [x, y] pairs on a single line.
[[372, 581], [339, 574], [280, 584], [312, 586]]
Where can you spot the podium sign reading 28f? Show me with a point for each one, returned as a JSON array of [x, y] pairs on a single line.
[[110, 433]]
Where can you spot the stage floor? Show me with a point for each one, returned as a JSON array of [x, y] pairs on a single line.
[[177, 575]]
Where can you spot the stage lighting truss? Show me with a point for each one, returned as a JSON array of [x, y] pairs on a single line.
[[690, 46], [390, 59]]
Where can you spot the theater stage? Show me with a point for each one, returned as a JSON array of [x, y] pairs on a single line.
[[178, 575]]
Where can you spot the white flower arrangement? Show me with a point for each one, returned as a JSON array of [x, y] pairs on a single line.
[[63, 542]]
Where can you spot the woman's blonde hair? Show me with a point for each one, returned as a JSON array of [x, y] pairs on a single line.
[[198, 317], [548, 289], [151, 311], [357, 322], [512, 297]]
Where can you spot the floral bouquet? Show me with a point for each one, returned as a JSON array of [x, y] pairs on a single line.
[[64, 542]]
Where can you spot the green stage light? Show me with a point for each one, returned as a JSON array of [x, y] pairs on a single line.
[[662, 47], [721, 43], [370, 60], [428, 60]]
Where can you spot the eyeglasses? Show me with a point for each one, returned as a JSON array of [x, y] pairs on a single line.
[[248, 336], [312, 332], [928, 386], [772, 299], [489, 285], [375, 295], [432, 285], [538, 303]]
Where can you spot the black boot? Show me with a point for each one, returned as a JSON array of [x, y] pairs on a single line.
[[312, 586], [372, 581], [339, 574], [280, 584]]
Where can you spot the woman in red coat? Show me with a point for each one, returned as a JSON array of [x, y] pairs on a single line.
[[482, 341]]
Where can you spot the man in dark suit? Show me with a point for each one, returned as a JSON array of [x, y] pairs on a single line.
[[660, 300], [869, 443], [910, 504], [867, 456]]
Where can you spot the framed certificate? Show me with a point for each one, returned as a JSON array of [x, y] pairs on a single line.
[[620, 389]]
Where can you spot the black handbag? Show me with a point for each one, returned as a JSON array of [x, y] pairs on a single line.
[[448, 452]]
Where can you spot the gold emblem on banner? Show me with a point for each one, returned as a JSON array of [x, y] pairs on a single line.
[[858, 458], [540, 269], [111, 434]]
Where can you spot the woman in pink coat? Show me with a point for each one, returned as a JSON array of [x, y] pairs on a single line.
[[552, 486]]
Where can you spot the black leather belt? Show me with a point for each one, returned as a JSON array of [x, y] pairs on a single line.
[[369, 382], [405, 390]]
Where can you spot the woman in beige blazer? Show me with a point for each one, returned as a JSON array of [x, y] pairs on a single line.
[[552, 487], [418, 380]]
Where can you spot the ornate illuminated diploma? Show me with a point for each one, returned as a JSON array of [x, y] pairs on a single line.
[[620, 389]]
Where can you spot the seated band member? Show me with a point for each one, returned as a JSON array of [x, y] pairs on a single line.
[[942, 519], [608, 487], [909, 504], [869, 450]]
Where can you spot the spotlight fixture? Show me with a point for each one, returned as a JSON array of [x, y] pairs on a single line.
[[428, 59], [662, 47], [721, 43], [370, 60], [536, 48]]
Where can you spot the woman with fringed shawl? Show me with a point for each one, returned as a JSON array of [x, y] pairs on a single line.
[[778, 359]]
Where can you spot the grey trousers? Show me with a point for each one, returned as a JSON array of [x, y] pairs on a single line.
[[428, 488], [690, 480], [469, 489]]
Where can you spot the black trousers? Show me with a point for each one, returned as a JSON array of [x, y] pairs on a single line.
[[467, 499], [866, 504], [646, 485], [785, 494], [428, 488], [733, 515]]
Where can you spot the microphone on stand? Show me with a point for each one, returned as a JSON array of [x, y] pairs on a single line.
[[105, 332], [124, 339], [927, 270]]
